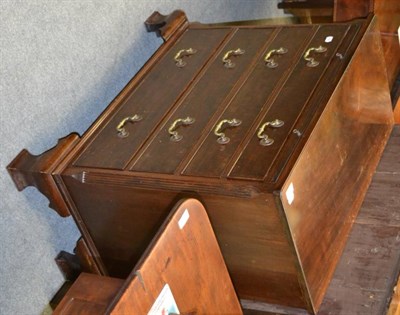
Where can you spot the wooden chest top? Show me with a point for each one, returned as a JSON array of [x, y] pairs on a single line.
[[222, 103]]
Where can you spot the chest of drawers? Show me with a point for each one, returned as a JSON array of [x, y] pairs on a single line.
[[276, 130]]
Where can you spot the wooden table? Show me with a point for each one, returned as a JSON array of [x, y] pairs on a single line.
[[182, 270]]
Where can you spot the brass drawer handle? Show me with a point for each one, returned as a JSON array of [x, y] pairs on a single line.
[[182, 53], [269, 61], [222, 138], [311, 61], [264, 139], [175, 136], [226, 58], [122, 133]]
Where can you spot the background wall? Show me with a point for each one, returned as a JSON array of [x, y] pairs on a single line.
[[61, 64]]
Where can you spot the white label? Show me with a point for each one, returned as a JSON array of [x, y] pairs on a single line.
[[184, 218], [290, 194], [328, 39], [165, 303]]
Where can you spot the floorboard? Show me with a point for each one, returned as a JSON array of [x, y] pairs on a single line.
[[367, 272]]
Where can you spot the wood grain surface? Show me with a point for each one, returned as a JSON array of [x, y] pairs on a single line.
[[367, 272], [183, 257], [119, 191]]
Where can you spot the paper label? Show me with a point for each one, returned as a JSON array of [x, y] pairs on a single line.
[[165, 303], [290, 194], [184, 218], [328, 39]]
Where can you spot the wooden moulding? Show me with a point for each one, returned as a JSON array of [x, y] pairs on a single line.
[[38, 171], [166, 25]]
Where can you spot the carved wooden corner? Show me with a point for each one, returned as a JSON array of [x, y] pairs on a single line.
[[166, 25], [71, 265], [86, 259], [30, 170]]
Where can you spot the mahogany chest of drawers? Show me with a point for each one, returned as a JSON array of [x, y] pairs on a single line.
[[276, 130]]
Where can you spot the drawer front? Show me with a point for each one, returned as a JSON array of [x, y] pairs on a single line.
[[153, 96], [213, 90], [305, 123], [256, 159], [253, 98]]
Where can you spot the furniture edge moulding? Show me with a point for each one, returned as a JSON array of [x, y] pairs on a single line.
[[39, 170], [165, 26]]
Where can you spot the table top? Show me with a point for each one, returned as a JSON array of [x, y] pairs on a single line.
[[182, 271]]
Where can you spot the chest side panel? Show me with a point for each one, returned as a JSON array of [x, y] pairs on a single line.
[[122, 220], [329, 180], [151, 99]]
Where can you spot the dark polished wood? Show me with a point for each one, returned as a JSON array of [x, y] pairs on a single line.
[[219, 85], [165, 26], [29, 170], [85, 257], [305, 4], [90, 294], [163, 73], [288, 108], [258, 90], [69, 265], [184, 255], [276, 210]]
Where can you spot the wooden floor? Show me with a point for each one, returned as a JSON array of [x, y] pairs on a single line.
[[368, 270], [369, 267]]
